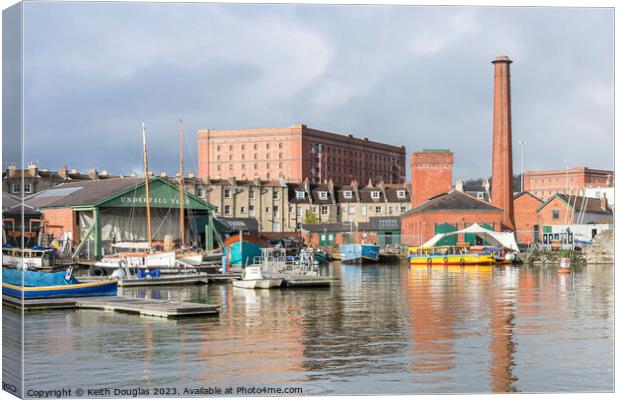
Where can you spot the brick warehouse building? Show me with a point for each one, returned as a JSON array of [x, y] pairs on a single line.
[[296, 153], [544, 184]]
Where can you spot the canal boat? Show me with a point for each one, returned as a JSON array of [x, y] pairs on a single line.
[[359, 253], [253, 278], [41, 285]]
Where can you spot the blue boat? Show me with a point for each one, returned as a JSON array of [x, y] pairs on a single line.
[[359, 253], [42, 285], [242, 250]]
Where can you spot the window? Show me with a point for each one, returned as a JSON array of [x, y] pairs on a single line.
[[375, 195], [378, 209], [351, 210], [390, 210], [348, 194], [251, 211], [403, 209], [242, 147], [251, 193], [267, 210], [275, 227], [255, 156], [276, 209], [227, 210], [199, 191], [322, 195], [268, 146], [255, 166], [243, 156], [268, 156], [363, 210], [300, 195], [230, 167], [219, 167], [218, 147], [15, 188], [242, 210], [324, 210], [230, 157], [268, 166], [243, 167], [219, 157], [281, 155], [227, 193], [480, 195], [298, 212], [280, 145], [280, 165], [230, 147], [401, 194], [276, 195], [555, 213]]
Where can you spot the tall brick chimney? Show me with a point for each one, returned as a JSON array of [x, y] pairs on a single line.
[[431, 174], [501, 189]]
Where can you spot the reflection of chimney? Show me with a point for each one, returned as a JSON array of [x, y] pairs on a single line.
[[502, 189]]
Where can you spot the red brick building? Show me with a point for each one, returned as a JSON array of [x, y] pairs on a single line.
[[544, 184], [296, 153], [562, 209], [448, 212], [526, 217], [431, 174]]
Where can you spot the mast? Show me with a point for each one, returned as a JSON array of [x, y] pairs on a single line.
[[182, 187], [146, 188]]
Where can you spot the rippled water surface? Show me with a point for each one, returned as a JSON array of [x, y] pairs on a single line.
[[381, 329]]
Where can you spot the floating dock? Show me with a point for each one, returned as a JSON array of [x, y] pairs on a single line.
[[132, 305]]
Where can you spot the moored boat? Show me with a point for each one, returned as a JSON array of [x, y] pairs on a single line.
[[359, 253], [434, 257], [242, 248], [252, 278], [39, 285]]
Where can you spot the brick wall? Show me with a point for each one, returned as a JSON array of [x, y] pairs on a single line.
[[60, 220], [431, 174], [526, 217]]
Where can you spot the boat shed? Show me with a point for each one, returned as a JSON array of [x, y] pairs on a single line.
[[95, 214], [378, 230]]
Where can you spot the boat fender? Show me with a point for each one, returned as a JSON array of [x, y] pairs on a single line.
[[96, 271], [118, 274]]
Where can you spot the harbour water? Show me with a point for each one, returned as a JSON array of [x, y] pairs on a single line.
[[383, 329]]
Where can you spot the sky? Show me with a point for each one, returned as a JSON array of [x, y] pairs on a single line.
[[411, 75]]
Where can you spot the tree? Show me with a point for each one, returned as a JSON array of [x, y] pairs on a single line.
[[310, 217]]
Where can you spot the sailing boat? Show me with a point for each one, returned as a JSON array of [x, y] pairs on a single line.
[[184, 254], [139, 255]]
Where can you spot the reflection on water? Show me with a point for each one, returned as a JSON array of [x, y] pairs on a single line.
[[380, 329]]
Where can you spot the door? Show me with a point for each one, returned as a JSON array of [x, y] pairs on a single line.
[[448, 240]]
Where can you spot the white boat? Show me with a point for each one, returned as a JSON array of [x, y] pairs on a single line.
[[252, 278], [26, 258], [190, 257]]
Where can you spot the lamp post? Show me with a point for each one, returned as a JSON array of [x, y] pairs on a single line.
[[522, 143], [566, 185]]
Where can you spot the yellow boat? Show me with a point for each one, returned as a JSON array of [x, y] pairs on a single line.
[[448, 255]]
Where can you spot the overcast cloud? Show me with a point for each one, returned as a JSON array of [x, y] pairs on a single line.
[[418, 76]]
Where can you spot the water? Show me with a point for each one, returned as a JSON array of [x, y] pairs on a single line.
[[383, 329]]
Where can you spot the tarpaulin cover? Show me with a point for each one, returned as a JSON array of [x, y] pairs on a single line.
[[36, 279]]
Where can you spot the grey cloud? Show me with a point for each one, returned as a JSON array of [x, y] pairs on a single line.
[[418, 76]]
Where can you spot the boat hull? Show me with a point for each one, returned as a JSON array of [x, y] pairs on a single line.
[[238, 254], [103, 288], [453, 259], [359, 253], [191, 259], [170, 280]]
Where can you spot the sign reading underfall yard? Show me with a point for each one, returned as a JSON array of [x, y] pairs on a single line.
[[161, 195]]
